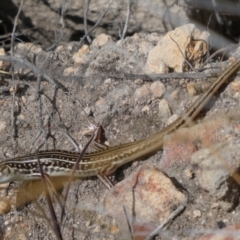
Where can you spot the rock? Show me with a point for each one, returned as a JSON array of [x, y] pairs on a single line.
[[108, 81], [164, 110], [5, 206], [197, 213], [68, 71], [173, 118], [142, 92], [4, 65], [78, 57], [145, 109], [235, 86], [24, 99], [142, 193], [215, 169], [102, 40], [175, 95], [157, 89], [87, 111], [174, 47], [181, 144], [138, 81], [3, 125], [191, 89]]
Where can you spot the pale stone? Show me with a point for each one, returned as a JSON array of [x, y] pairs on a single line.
[[3, 125], [174, 95], [24, 99], [161, 198], [164, 110], [172, 119], [142, 91], [197, 214], [191, 89], [236, 86], [68, 71], [108, 81], [138, 81], [215, 166], [102, 40], [145, 109], [176, 46], [158, 89], [2, 53], [21, 117], [78, 56], [5, 206]]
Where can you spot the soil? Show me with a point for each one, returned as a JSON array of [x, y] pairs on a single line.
[[41, 125], [58, 120]]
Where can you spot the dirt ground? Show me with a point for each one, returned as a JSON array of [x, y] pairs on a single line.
[[100, 87], [112, 103]]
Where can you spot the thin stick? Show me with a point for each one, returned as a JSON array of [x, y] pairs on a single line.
[[85, 21], [56, 226], [70, 138], [76, 165], [12, 70], [14, 27], [41, 121], [166, 221], [128, 222], [61, 21], [127, 20], [189, 64], [96, 24]]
